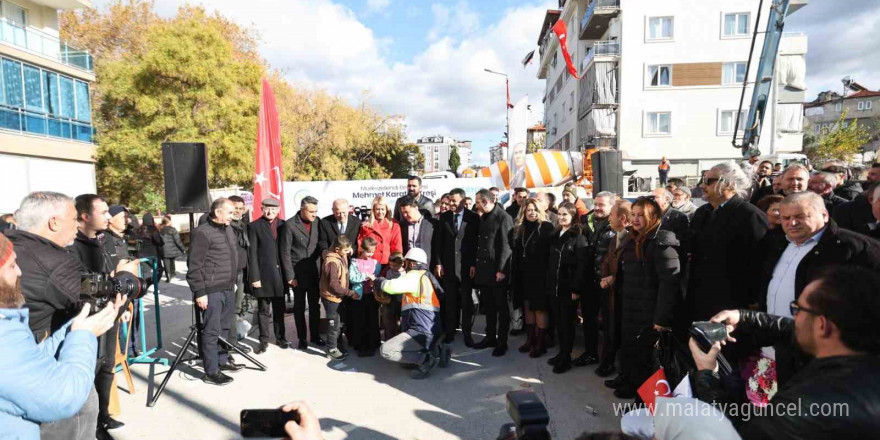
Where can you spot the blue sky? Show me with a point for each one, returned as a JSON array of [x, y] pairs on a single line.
[[424, 59]]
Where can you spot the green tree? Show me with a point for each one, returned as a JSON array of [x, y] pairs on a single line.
[[454, 159], [841, 143], [535, 145]]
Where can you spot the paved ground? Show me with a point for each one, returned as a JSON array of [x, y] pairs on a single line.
[[360, 398]]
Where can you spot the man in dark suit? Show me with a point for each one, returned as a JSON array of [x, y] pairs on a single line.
[[493, 264], [455, 250], [519, 197], [414, 191], [301, 248], [341, 222], [416, 229], [264, 273]]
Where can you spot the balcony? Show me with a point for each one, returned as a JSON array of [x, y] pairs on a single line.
[[597, 88], [598, 16], [44, 45], [607, 50]]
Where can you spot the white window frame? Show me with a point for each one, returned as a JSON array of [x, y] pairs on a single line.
[[724, 67], [735, 33], [646, 130], [650, 76], [659, 39], [861, 105], [837, 107], [867, 105], [744, 114]]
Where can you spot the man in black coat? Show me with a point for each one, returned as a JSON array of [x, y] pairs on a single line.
[[856, 215], [673, 220], [835, 322], [456, 257], [599, 238], [813, 243], [823, 184], [213, 265], [723, 252], [416, 229], [846, 189], [301, 247], [414, 190], [264, 273], [519, 197], [493, 264]]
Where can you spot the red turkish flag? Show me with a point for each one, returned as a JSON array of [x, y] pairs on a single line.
[[507, 82], [656, 386], [562, 33], [268, 174]]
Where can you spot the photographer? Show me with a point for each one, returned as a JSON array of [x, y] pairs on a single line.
[[35, 387], [835, 322]]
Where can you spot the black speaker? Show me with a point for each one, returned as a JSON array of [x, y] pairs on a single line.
[[186, 177], [607, 172]]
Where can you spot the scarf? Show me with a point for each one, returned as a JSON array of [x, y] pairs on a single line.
[[273, 225], [640, 239]]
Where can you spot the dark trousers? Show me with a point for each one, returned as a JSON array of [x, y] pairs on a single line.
[[170, 269], [300, 294], [232, 336], [566, 312], [457, 305], [215, 322], [590, 304], [271, 309], [365, 323], [331, 309], [104, 375], [497, 313], [391, 317], [610, 324]]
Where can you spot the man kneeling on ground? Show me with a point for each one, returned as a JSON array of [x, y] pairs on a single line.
[[421, 330]]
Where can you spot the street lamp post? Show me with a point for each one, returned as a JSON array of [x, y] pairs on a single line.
[[506, 106]]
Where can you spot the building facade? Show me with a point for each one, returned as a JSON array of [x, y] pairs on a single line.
[[862, 106], [437, 149], [46, 132], [664, 79]]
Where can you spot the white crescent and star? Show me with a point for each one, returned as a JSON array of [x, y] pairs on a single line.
[[665, 393]]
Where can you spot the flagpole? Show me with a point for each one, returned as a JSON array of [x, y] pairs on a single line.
[[506, 105]]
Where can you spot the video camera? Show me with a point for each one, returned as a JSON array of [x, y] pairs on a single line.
[[530, 417], [98, 289]]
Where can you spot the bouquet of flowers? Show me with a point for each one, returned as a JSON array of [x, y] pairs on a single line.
[[762, 384]]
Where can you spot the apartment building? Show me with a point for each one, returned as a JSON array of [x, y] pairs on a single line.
[[665, 79], [861, 105], [46, 132], [437, 149]]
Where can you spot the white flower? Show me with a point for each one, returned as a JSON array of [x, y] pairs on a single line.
[[763, 364], [753, 384], [772, 391]]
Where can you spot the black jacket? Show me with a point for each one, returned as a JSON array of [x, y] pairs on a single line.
[[832, 201], [760, 193], [213, 259], [172, 246], [599, 239], [264, 259], [649, 288], [92, 253], [455, 250], [493, 247], [426, 237], [151, 240], [855, 215], [567, 264], [843, 381], [50, 281], [676, 222], [301, 250], [512, 210], [849, 190], [240, 227], [330, 230], [425, 205], [723, 260], [116, 247], [528, 262]]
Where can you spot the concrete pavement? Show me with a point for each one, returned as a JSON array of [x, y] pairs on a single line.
[[359, 398]]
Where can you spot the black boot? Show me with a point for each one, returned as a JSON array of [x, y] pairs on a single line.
[[539, 348], [530, 339], [468, 340], [605, 369], [554, 359], [563, 364], [486, 343], [616, 382]]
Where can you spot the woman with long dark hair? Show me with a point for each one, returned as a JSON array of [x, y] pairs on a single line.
[[151, 241], [648, 282], [531, 239], [567, 261]]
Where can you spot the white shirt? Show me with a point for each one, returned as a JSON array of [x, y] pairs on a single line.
[[414, 229], [780, 292]]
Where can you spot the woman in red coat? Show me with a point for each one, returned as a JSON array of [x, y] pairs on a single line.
[[383, 229]]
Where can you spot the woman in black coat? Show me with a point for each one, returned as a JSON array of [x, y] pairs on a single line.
[[567, 272], [150, 241], [531, 239], [172, 247], [648, 283]]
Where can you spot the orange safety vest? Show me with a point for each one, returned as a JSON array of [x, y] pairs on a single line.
[[424, 299]]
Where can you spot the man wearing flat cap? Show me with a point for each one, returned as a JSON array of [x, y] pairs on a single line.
[[681, 200], [264, 272]]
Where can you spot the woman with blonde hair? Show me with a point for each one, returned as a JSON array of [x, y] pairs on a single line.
[[532, 234], [383, 229]]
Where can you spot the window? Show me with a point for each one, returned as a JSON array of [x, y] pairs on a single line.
[[727, 118], [14, 24], [571, 103], [12, 83], [864, 105], [736, 25], [861, 105], [660, 28], [867, 105], [837, 107], [563, 111], [33, 88], [658, 123], [659, 75], [83, 108], [733, 73], [553, 63]]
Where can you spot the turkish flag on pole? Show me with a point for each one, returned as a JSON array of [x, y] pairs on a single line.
[[656, 386], [268, 177], [507, 82], [562, 33]]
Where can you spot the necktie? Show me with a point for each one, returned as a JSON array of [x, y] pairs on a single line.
[[341, 228], [457, 216]]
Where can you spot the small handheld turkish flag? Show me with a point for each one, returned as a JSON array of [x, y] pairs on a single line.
[[562, 33], [268, 174], [656, 386]]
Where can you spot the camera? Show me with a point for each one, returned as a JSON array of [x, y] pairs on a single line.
[[133, 244], [98, 289], [706, 334], [529, 415]]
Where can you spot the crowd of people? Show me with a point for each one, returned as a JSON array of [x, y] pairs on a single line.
[[404, 282]]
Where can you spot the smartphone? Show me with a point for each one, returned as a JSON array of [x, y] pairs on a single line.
[[266, 422]]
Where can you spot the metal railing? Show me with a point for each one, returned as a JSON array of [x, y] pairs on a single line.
[[600, 48], [44, 44], [597, 4]]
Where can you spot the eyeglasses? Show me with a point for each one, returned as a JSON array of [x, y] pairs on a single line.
[[709, 180], [794, 308]]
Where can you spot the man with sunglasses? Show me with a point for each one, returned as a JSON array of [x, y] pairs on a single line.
[[837, 395]]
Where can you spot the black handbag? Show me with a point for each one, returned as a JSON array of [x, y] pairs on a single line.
[[674, 357]]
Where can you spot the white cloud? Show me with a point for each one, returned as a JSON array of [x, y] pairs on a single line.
[[458, 21], [377, 5]]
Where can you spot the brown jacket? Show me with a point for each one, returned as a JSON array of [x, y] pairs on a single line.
[[611, 262], [334, 278]]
